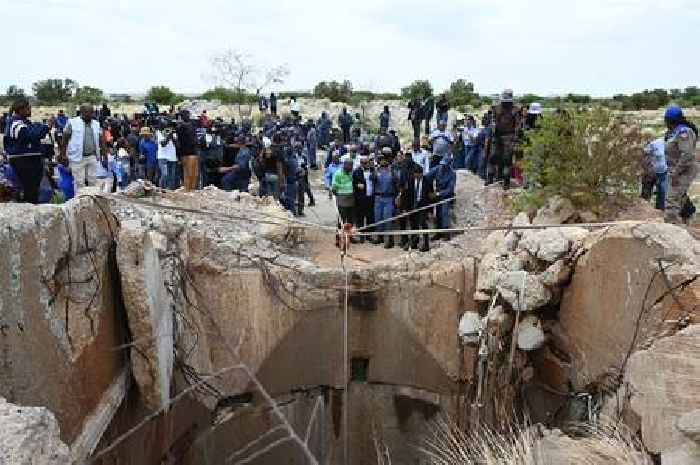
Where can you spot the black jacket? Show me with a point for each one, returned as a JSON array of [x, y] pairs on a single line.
[[410, 194], [358, 177]]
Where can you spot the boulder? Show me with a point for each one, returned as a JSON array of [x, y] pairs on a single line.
[[617, 291], [557, 274], [30, 436], [552, 244], [537, 295], [558, 210], [530, 334], [664, 384]]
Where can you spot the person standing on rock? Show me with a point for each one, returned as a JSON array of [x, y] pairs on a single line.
[[273, 104], [385, 118], [82, 144], [312, 145], [22, 141], [386, 188], [364, 194], [415, 116], [342, 187], [680, 158], [445, 179], [428, 111], [506, 121], [324, 128], [345, 123], [186, 144], [443, 106]]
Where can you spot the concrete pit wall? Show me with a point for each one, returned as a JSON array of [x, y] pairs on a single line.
[[61, 319]]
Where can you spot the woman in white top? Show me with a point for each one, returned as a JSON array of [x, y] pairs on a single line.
[[167, 158]]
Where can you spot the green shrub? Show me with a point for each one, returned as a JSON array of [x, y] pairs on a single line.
[[587, 157]]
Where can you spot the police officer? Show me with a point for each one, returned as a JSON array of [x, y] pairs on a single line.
[[680, 158], [445, 179], [386, 188], [506, 121]]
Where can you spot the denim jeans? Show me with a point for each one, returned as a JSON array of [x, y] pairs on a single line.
[[443, 216], [167, 173], [313, 162], [442, 118], [483, 165], [460, 159], [661, 188], [472, 161], [383, 209], [272, 185], [290, 196]]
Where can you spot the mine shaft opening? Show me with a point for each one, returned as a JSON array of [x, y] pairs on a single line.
[[339, 352]]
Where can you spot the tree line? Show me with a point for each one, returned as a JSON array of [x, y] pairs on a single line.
[[461, 94]]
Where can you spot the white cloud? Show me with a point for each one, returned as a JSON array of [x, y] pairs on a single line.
[[542, 46]]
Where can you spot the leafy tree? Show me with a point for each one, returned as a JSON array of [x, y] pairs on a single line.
[[228, 96], [578, 99], [87, 94], [586, 157], [162, 95], [53, 91], [527, 99], [334, 91], [417, 90], [14, 92], [462, 93]]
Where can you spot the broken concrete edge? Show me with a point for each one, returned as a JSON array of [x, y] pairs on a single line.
[[29, 436], [97, 423]]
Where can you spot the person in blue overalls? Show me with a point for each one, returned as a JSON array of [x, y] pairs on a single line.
[[386, 188], [445, 179]]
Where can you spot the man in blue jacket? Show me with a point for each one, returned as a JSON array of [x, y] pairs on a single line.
[[445, 179], [22, 143]]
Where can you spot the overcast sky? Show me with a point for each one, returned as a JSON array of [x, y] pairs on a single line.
[[548, 47]]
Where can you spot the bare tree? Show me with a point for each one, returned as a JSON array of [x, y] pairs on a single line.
[[237, 70]]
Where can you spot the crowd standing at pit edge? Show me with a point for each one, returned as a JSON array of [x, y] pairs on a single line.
[[372, 177]]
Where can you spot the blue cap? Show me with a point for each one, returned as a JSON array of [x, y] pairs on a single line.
[[673, 113]]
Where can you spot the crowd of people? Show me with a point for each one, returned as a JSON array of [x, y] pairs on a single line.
[[372, 176]]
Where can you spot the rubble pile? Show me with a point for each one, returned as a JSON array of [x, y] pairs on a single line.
[[577, 321]]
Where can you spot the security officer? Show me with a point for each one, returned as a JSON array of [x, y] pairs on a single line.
[[680, 158], [445, 179], [506, 121], [386, 188]]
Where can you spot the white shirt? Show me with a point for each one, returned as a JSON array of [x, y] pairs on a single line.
[[421, 158], [418, 189], [294, 106], [369, 187], [167, 152]]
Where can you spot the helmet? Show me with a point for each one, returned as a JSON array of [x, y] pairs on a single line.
[[673, 113]]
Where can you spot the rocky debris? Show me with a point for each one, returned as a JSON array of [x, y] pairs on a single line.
[[558, 210], [551, 244], [664, 381], [530, 334], [30, 436], [601, 312]]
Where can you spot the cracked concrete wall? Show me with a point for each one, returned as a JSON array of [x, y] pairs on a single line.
[[59, 319]]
